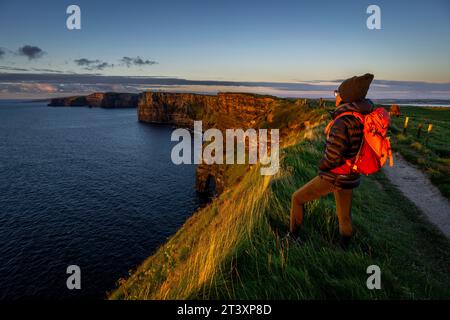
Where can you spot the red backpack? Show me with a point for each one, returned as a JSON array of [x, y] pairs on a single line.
[[375, 147]]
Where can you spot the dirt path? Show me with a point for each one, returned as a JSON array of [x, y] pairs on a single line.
[[416, 186]]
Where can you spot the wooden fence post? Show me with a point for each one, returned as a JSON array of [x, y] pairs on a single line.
[[405, 125], [430, 128], [419, 130]]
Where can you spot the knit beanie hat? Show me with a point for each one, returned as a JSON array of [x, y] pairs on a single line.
[[355, 88]]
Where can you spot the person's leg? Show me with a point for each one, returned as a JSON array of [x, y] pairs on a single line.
[[312, 190], [343, 210]]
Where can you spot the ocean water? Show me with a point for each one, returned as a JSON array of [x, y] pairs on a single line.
[[88, 187]]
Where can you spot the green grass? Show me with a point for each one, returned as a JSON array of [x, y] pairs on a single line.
[[434, 157], [234, 247]]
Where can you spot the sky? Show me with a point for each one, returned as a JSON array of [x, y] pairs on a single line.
[[286, 48]]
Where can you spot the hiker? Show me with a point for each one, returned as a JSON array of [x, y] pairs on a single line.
[[345, 136]]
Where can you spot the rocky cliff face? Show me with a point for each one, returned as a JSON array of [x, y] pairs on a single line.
[[223, 111], [179, 109], [100, 100], [113, 100], [75, 101]]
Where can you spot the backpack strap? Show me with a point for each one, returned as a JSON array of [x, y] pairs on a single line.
[[351, 113], [346, 113]]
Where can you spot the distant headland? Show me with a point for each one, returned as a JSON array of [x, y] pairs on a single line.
[[99, 100]]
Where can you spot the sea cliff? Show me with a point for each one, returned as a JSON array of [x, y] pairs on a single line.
[[226, 110], [99, 100], [222, 111]]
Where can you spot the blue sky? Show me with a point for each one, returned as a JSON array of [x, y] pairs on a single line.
[[242, 41]]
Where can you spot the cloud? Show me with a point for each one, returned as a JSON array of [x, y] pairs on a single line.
[[137, 61], [85, 62], [93, 64], [2, 52], [46, 70], [97, 64], [43, 70], [101, 66], [31, 52], [12, 68]]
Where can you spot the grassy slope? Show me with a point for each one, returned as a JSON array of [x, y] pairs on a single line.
[[233, 248], [433, 158]]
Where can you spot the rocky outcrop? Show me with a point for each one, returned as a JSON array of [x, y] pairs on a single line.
[[113, 100], [99, 99], [222, 111], [179, 109], [75, 101]]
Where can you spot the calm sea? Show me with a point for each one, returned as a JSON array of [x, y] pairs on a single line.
[[87, 187]]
